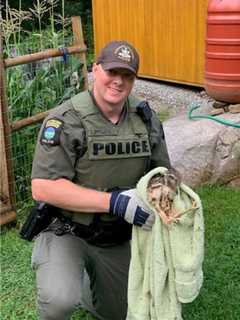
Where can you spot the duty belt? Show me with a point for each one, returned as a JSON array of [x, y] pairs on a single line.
[[99, 233], [75, 229]]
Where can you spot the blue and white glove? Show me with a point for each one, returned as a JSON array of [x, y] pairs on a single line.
[[129, 206]]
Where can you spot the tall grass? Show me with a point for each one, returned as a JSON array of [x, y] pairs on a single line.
[[12, 21]]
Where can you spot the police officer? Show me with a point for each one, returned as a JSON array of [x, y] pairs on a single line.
[[90, 153]]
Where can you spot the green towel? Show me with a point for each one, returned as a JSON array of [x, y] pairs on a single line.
[[166, 263]]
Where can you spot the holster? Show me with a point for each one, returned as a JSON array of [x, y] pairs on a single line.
[[40, 217]]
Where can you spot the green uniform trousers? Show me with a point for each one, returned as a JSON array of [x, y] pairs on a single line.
[[71, 273]]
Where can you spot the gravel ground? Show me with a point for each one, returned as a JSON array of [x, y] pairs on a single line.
[[169, 98]]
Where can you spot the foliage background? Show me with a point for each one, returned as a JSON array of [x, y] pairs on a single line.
[[33, 26], [83, 8]]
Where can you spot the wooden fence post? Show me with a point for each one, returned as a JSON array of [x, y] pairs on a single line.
[[78, 40], [7, 198]]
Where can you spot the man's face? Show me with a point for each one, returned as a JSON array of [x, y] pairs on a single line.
[[112, 86]]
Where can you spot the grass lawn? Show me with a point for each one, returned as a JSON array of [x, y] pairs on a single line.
[[219, 297]]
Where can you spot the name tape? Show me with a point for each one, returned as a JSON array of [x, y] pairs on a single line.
[[124, 149]]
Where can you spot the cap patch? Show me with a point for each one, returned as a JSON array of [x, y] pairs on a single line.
[[51, 132], [124, 53], [119, 54]]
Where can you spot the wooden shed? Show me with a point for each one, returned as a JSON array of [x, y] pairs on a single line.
[[168, 34]]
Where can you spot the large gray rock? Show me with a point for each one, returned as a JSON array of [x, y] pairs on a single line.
[[204, 151]]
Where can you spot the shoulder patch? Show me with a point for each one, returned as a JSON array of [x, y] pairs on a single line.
[[51, 132]]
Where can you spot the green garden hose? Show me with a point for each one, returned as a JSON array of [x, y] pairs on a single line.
[[194, 106]]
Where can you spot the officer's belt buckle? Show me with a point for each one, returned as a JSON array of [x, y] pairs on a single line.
[[65, 228]]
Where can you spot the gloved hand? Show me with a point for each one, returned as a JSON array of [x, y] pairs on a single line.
[[129, 206]]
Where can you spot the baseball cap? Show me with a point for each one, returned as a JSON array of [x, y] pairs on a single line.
[[119, 54]]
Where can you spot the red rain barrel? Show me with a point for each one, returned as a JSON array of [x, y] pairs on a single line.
[[222, 63]]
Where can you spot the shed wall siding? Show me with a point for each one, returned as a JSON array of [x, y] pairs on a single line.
[[169, 35]]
